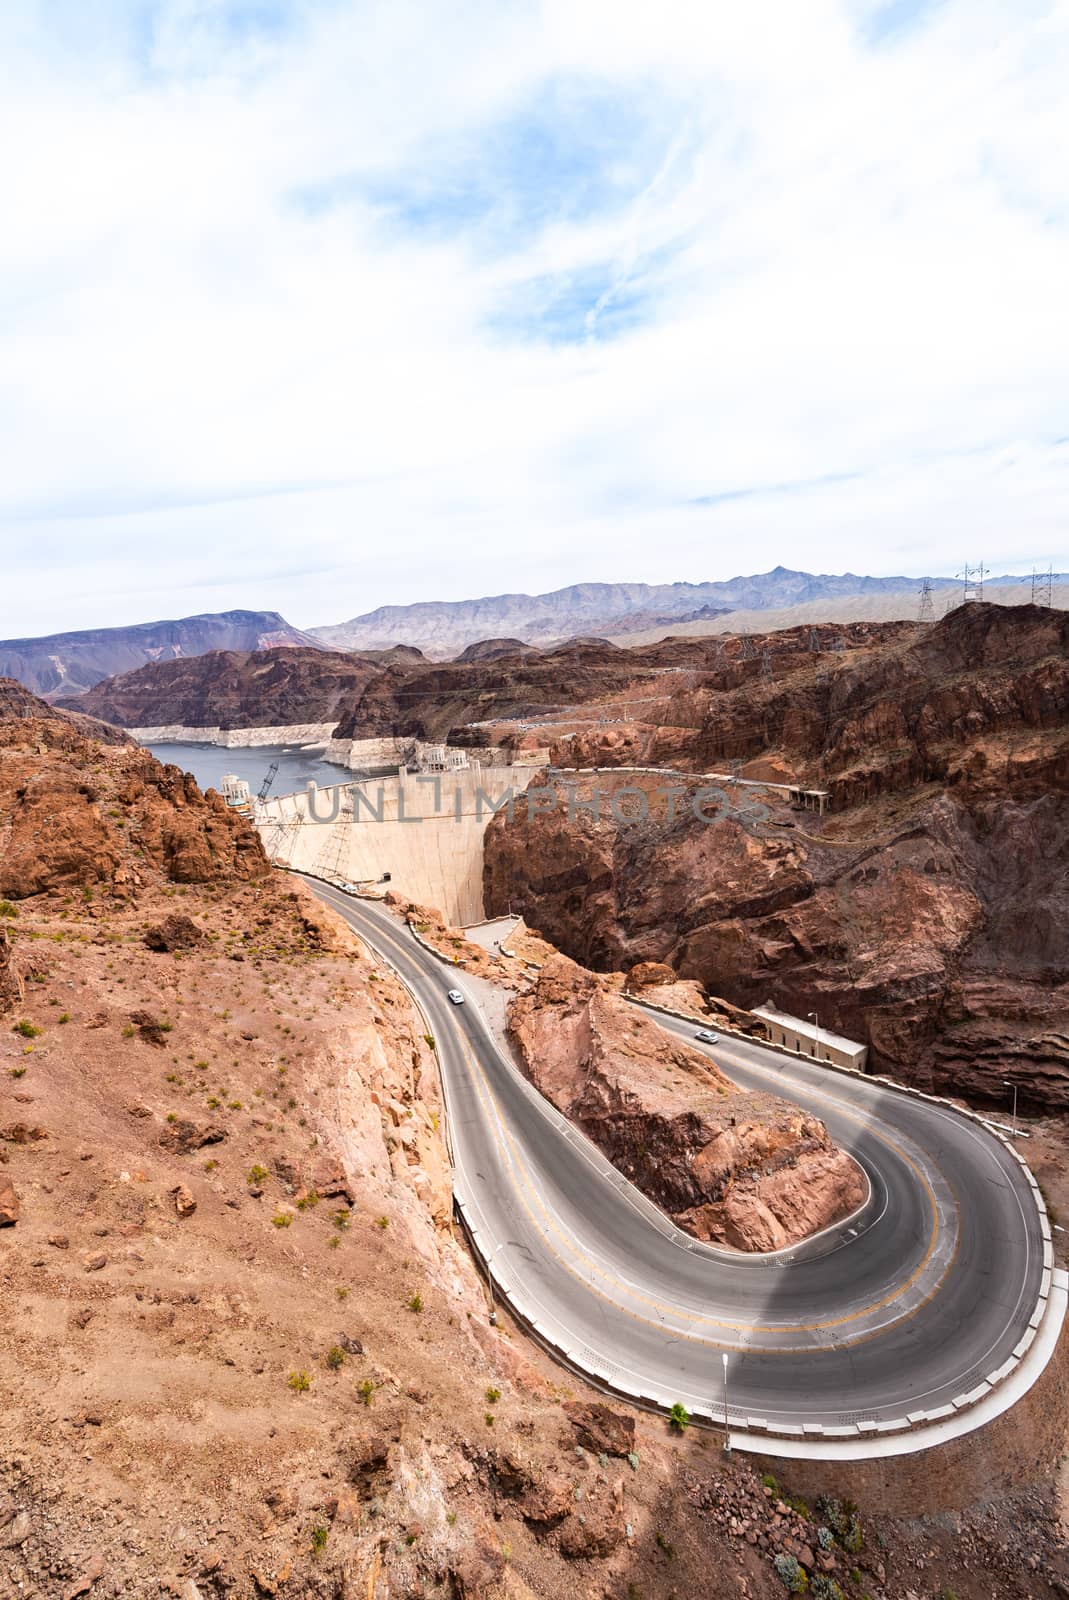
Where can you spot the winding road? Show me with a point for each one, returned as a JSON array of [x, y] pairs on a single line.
[[911, 1304]]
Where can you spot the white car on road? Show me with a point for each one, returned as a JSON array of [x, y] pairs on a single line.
[[456, 997], [707, 1036]]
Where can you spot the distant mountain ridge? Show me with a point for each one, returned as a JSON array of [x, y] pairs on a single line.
[[70, 663], [441, 628]]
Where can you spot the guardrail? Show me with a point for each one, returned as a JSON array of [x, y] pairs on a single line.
[[964, 1402], [586, 1362]]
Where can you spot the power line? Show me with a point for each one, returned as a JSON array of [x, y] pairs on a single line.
[[926, 609]]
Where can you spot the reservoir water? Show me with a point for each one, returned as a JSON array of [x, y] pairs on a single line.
[[296, 765]]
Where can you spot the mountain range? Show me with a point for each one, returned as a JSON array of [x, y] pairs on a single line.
[[70, 663], [441, 628], [67, 664]]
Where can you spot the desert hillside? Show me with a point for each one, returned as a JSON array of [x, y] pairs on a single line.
[[244, 1352]]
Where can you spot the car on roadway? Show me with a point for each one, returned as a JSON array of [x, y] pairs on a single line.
[[707, 1036], [456, 997]]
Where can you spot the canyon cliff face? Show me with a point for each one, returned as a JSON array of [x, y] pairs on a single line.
[[926, 914], [748, 1171], [233, 689]]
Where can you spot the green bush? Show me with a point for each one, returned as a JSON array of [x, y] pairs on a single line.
[[299, 1382], [27, 1029], [679, 1417]]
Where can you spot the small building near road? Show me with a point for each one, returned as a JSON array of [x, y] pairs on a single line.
[[808, 1038]]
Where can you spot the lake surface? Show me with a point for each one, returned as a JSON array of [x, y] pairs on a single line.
[[209, 763]]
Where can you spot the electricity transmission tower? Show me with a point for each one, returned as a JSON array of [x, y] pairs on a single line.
[[972, 582], [748, 651], [766, 664], [1043, 587], [926, 609]]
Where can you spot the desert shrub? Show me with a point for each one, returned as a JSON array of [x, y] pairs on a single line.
[[8, 909], [27, 1029], [283, 1219], [299, 1382], [841, 1516], [258, 1174], [493, 1396], [415, 1301], [335, 1357], [825, 1588], [791, 1574]]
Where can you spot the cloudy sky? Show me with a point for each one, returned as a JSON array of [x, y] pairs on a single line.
[[318, 306]]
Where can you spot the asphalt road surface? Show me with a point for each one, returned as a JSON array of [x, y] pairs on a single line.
[[903, 1307]]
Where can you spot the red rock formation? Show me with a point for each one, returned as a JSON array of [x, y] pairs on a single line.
[[103, 813], [12, 988], [744, 1170], [233, 689], [926, 914]]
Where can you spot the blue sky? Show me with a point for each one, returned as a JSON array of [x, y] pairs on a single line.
[[323, 306]]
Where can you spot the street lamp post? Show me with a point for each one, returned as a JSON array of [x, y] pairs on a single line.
[[727, 1433], [1006, 1084], [816, 1029]]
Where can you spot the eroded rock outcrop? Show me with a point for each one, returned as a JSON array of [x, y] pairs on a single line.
[[749, 1171], [102, 811]]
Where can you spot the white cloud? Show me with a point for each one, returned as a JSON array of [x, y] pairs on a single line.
[[390, 302]]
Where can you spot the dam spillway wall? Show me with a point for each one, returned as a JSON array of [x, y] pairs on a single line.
[[425, 830]]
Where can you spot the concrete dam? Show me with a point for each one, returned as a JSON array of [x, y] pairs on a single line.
[[425, 829]]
